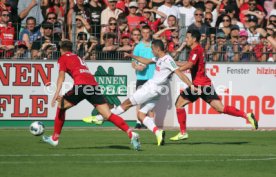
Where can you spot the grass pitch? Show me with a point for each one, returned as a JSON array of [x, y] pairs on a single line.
[[97, 152]]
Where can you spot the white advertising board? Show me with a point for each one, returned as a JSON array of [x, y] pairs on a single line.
[[26, 90]]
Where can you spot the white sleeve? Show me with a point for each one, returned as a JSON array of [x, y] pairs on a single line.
[[21, 6], [154, 59], [177, 12], [170, 64]]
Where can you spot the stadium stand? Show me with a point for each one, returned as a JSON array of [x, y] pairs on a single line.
[[231, 30]]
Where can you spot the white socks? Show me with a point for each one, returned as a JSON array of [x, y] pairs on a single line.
[[148, 122], [99, 117], [117, 110]]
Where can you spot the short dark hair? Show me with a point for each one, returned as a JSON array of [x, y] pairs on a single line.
[[195, 34], [109, 35], [66, 45], [158, 43], [47, 25], [172, 16], [51, 13], [82, 36], [31, 18], [146, 27]]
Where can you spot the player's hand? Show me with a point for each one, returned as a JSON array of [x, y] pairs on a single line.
[[33, 3], [140, 67], [56, 98]]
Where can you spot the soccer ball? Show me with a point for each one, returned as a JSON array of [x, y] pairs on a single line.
[[37, 128]]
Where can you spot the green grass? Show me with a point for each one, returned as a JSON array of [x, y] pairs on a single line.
[[97, 152]]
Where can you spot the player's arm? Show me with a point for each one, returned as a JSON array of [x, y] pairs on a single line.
[[183, 77], [187, 81], [140, 59], [61, 77], [186, 66], [180, 63]]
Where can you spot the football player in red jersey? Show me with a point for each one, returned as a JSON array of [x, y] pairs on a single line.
[[196, 65], [85, 87]]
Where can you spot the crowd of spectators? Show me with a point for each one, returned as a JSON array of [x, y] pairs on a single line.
[[231, 30]]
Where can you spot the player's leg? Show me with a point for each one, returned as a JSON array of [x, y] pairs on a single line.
[[231, 110], [181, 113], [122, 108], [183, 99], [149, 122], [98, 119], [63, 105], [182, 118], [139, 97], [212, 98], [104, 110], [70, 99], [139, 125]]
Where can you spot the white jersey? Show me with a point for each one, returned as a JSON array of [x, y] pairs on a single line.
[[150, 92], [165, 66]]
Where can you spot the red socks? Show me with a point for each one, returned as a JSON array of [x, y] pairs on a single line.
[[181, 116], [120, 123], [234, 112], [59, 121]]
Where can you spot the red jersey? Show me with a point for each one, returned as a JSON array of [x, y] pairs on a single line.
[[76, 68], [199, 77], [133, 21], [7, 35], [245, 6], [154, 25]]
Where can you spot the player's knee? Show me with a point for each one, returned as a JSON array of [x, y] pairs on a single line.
[[178, 105], [107, 115], [127, 104], [64, 104], [141, 116]]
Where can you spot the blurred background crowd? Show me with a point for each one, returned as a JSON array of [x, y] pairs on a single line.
[[231, 30]]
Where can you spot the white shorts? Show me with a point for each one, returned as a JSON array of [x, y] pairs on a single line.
[[146, 96]]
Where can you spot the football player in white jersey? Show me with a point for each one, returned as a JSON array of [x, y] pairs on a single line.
[[148, 95]]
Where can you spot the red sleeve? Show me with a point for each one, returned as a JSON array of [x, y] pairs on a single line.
[[61, 64], [193, 57], [260, 8]]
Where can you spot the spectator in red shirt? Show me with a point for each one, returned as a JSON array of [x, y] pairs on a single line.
[[167, 32], [174, 43], [263, 50], [154, 24], [7, 33], [251, 8], [132, 19]]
